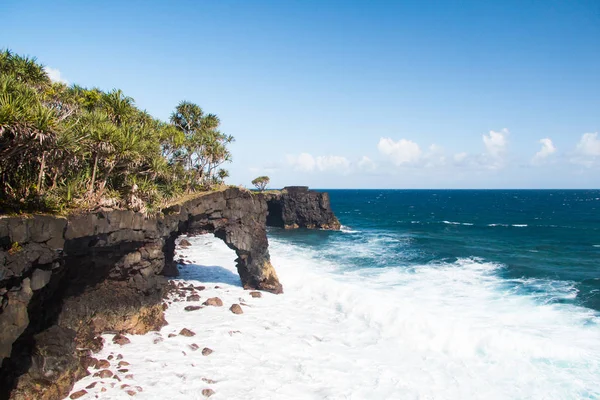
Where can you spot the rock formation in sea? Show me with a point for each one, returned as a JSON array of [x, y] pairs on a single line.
[[297, 207], [63, 281]]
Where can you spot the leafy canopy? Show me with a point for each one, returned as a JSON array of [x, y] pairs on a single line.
[[64, 147], [261, 182]]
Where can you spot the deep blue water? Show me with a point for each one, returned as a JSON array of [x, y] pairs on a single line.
[[547, 241]]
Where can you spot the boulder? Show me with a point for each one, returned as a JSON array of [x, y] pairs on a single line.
[[121, 340], [187, 332], [105, 373], [236, 309], [214, 301], [78, 394], [193, 297]]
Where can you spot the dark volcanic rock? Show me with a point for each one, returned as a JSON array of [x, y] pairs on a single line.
[[187, 332], [256, 295], [298, 207], [55, 366], [105, 373], [206, 351], [236, 309], [105, 271], [121, 340], [185, 243], [192, 308], [78, 394], [207, 392], [214, 301]]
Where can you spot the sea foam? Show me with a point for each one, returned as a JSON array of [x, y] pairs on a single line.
[[437, 331]]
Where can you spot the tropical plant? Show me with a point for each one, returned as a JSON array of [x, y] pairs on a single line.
[[261, 182], [67, 147]]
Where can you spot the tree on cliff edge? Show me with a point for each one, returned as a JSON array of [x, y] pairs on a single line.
[[261, 182]]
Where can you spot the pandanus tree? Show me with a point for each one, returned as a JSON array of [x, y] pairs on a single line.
[[96, 130], [118, 106], [28, 131], [23, 69], [62, 146], [204, 146]]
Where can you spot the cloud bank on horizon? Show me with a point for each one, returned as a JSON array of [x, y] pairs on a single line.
[[406, 155]]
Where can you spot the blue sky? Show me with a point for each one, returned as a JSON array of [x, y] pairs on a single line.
[[351, 94]]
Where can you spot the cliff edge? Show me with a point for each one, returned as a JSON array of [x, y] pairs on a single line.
[[298, 207], [65, 280]]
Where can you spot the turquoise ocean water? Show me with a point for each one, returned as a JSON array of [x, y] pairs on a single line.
[[544, 244]]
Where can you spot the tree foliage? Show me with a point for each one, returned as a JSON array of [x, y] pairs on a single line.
[[65, 147], [261, 182]]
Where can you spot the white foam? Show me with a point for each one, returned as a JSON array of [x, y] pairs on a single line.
[[457, 223], [520, 225], [346, 229], [443, 331]]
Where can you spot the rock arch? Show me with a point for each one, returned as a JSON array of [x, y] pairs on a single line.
[[239, 219], [64, 280]]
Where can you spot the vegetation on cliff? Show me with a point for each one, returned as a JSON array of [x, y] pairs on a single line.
[[261, 182], [65, 147]]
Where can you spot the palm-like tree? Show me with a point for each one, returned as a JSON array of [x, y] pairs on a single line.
[[69, 144], [118, 106]]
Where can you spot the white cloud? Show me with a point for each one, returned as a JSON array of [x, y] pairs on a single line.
[[587, 151], [495, 146], [495, 143], [54, 75], [401, 152], [329, 163], [589, 145], [546, 151], [459, 158], [306, 162], [366, 164], [435, 156]]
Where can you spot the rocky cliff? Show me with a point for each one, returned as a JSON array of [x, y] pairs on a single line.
[[63, 281], [297, 207]]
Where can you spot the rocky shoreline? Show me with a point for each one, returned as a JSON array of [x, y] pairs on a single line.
[[112, 370], [64, 281]]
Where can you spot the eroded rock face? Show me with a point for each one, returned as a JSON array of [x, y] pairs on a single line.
[[297, 207], [105, 271]]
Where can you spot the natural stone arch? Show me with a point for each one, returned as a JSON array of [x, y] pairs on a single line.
[[239, 219], [72, 278]]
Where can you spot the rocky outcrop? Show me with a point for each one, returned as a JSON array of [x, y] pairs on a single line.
[[65, 280], [297, 207]]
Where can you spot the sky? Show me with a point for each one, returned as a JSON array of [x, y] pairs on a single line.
[[350, 94]]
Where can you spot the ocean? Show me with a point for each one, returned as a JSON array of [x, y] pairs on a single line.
[[423, 294]]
